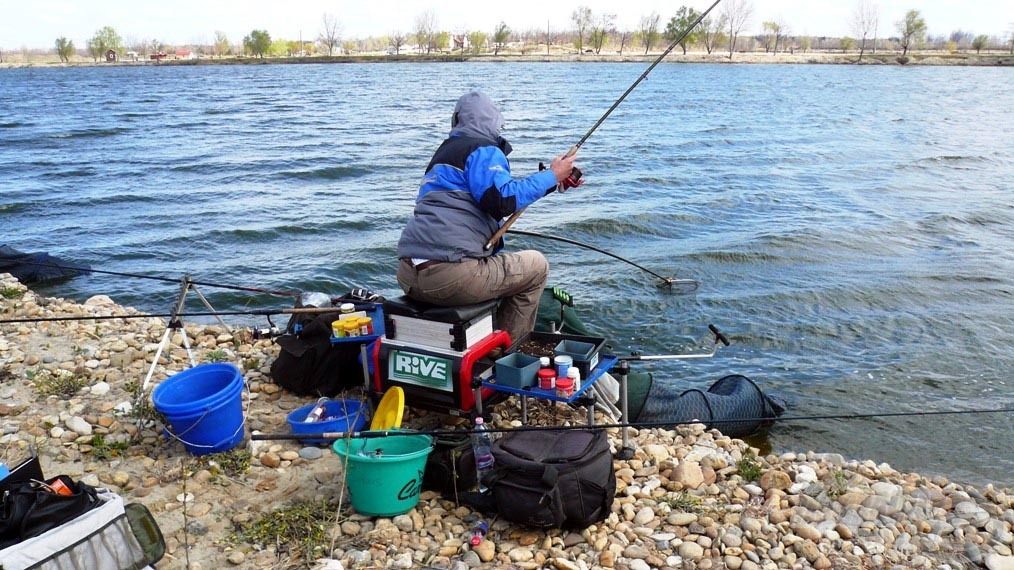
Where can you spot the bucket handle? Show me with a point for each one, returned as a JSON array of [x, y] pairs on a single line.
[[179, 437]]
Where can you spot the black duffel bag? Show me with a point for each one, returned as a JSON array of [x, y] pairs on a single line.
[[553, 478], [31, 508]]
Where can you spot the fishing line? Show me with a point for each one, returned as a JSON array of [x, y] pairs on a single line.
[[510, 221], [635, 425], [687, 285], [172, 280]]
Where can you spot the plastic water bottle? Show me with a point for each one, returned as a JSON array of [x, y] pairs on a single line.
[[482, 448], [317, 411], [478, 533]]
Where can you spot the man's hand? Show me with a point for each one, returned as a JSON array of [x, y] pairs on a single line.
[[562, 166]]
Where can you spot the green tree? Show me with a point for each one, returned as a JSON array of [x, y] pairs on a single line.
[[500, 36], [774, 33], [257, 43], [582, 18], [64, 49], [221, 46], [441, 41], [912, 30], [980, 42], [476, 41], [649, 30], [679, 23], [105, 39], [847, 43]]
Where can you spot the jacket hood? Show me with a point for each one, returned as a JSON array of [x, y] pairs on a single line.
[[475, 115]]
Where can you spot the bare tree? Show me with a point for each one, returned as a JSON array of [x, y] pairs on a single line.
[[425, 30], [1010, 38], [330, 33], [603, 26], [582, 18], [550, 36], [737, 15], [711, 31], [397, 40], [625, 37], [649, 30], [864, 23], [771, 39]]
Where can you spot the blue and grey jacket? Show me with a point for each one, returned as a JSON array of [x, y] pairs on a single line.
[[468, 189]]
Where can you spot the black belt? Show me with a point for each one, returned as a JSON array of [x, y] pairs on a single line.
[[426, 264]]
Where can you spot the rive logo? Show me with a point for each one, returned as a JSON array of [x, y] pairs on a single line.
[[422, 370]]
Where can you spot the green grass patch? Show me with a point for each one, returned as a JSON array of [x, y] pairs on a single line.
[[302, 529], [217, 355], [684, 502], [60, 383], [103, 450], [749, 467], [232, 463], [11, 292]]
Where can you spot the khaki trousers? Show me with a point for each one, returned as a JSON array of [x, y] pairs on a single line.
[[516, 278]]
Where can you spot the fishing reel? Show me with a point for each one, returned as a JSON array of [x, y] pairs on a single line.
[[269, 331], [572, 181]]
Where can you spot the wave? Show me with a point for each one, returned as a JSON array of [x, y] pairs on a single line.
[[327, 173], [90, 133], [14, 124]]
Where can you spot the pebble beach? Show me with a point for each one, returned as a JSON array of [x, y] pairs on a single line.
[[689, 498]]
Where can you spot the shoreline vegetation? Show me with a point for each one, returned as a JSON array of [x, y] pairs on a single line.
[[916, 58], [689, 498]]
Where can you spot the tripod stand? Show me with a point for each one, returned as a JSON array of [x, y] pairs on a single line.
[[176, 324]]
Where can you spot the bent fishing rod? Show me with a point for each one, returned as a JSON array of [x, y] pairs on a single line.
[[510, 221], [665, 281], [169, 279]]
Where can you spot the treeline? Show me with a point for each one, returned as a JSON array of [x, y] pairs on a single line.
[[586, 32]]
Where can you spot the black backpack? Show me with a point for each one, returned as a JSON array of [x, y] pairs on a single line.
[[308, 364], [553, 478]]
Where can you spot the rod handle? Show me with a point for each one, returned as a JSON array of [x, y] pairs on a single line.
[[718, 335]]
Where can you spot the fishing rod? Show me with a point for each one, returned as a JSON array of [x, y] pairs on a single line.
[[635, 425], [665, 281], [510, 221], [252, 312], [170, 280]]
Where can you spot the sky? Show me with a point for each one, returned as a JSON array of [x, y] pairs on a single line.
[[37, 23]]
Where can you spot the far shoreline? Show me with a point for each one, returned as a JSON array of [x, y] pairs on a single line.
[[922, 58]]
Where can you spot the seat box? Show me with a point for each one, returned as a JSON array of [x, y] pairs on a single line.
[[446, 328], [433, 378]]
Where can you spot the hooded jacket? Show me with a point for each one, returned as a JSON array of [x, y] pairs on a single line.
[[467, 188]]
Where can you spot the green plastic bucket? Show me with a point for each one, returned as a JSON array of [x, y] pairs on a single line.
[[384, 474]]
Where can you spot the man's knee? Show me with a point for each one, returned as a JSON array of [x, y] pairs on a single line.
[[536, 265]]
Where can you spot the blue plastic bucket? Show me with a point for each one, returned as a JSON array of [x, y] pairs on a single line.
[[348, 415], [384, 474], [203, 406]]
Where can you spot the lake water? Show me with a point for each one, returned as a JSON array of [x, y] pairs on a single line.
[[851, 228]]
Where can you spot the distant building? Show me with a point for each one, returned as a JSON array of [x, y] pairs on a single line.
[[184, 54], [111, 56]]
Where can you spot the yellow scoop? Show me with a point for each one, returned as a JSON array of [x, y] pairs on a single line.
[[390, 410]]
